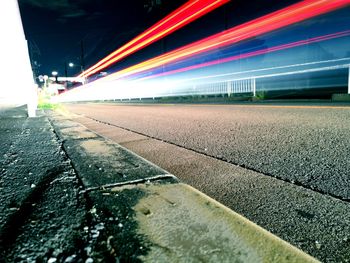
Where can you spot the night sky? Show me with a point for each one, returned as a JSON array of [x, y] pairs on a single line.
[[56, 29]]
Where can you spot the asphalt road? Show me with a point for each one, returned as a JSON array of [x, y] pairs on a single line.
[[284, 167]]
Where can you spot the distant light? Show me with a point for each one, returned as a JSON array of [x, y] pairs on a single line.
[[71, 64], [54, 73]]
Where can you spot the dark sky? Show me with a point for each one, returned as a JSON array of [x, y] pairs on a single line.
[[56, 29]]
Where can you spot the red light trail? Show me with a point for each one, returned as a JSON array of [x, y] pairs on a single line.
[[187, 13], [276, 20]]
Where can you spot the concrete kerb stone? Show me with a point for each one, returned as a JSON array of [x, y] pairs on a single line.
[[101, 162], [140, 212]]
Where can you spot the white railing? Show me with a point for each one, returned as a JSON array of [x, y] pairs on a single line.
[[239, 86]]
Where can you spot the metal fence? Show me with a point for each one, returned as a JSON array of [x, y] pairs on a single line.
[[225, 87]]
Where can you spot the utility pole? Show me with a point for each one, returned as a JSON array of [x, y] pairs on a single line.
[[66, 74], [82, 62], [65, 69]]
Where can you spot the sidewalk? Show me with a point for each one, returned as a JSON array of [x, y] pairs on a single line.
[[69, 195]]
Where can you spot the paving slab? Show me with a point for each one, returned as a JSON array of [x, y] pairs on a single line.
[[173, 222], [101, 162]]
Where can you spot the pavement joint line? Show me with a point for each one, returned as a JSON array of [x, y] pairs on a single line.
[[225, 160], [68, 160], [131, 182]]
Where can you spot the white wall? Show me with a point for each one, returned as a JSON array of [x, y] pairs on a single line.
[[16, 78]]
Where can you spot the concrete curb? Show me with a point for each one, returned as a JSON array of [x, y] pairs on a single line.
[[139, 212]]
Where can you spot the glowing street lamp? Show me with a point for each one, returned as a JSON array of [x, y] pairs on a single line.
[[66, 65], [55, 74], [71, 65]]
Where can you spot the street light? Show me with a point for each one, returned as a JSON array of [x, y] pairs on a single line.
[[55, 73], [71, 65]]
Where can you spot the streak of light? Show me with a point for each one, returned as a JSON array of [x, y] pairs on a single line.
[[342, 60], [295, 13], [311, 70], [254, 53], [126, 90], [187, 13]]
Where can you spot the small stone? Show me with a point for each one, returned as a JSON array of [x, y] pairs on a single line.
[[32, 186], [96, 234], [89, 260], [100, 226], [318, 245], [70, 259], [93, 210], [109, 246], [120, 225], [52, 260]]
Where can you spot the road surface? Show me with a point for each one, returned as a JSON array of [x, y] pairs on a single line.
[[285, 167]]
